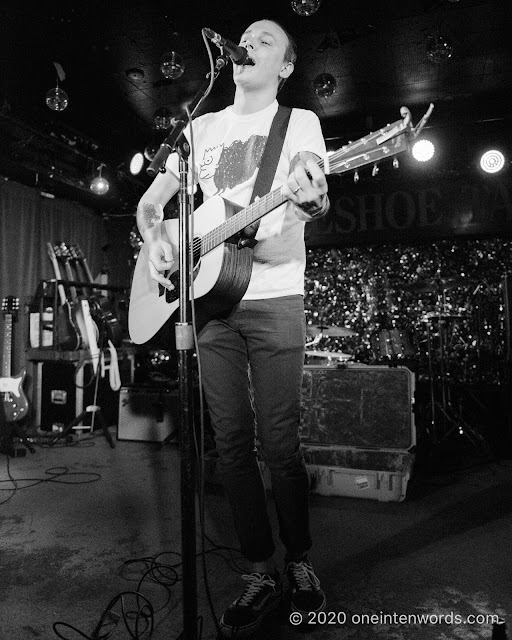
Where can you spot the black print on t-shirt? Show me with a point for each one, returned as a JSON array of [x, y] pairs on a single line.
[[236, 163]]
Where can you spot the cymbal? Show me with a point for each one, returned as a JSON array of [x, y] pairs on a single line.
[[331, 355], [440, 284], [334, 331]]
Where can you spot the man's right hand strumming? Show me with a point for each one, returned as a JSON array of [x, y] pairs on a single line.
[[160, 257]]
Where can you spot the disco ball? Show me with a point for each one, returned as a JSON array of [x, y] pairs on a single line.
[[57, 99], [162, 119], [305, 7], [439, 49], [324, 85], [172, 65], [99, 185], [150, 151]]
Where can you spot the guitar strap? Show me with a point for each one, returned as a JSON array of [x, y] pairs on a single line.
[[267, 170]]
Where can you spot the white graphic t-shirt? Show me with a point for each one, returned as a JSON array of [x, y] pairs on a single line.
[[228, 150]]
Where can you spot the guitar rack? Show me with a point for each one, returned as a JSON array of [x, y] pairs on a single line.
[[44, 307]]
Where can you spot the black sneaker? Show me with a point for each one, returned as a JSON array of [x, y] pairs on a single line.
[[306, 593], [261, 596]]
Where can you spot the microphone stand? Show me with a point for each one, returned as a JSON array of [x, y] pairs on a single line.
[[185, 345]]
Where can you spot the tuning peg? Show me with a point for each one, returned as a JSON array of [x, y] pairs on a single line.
[[356, 177], [396, 164], [375, 170]]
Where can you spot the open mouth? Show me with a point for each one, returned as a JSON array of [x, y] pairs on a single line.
[[249, 62]]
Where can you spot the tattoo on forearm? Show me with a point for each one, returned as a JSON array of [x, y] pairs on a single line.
[[148, 216]]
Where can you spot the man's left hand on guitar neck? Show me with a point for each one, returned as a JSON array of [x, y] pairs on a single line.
[[306, 187]]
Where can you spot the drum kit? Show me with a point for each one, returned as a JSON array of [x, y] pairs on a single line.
[[440, 347], [319, 358]]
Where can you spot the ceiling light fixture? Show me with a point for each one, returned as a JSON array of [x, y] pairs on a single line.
[[423, 150], [136, 163], [99, 184], [492, 161], [135, 74]]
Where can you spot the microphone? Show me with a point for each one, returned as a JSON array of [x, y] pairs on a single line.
[[237, 54]]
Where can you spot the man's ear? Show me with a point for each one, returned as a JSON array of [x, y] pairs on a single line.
[[287, 70]]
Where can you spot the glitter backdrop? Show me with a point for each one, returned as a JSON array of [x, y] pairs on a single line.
[[400, 298]]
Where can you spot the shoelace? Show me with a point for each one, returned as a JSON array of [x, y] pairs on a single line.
[[256, 583], [304, 576]]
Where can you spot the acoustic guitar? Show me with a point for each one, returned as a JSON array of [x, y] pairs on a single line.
[[11, 387], [221, 270]]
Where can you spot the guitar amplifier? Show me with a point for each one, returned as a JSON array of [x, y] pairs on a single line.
[[147, 414]]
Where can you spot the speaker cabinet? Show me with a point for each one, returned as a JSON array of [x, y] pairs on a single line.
[[147, 414], [64, 392]]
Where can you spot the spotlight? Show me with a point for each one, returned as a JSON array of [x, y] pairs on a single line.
[[99, 184], [492, 161], [136, 163], [423, 150]]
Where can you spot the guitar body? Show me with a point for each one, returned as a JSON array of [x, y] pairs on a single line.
[[14, 399], [68, 336], [103, 315], [221, 276]]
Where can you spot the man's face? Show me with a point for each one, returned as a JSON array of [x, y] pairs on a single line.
[[266, 44]]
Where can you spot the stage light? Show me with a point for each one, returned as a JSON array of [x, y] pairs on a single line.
[[423, 150], [492, 161], [99, 184], [136, 163]]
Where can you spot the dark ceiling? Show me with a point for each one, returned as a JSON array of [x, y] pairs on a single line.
[[375, 49]]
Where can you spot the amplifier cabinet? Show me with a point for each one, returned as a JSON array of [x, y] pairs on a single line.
[[63, 392], [147, 414]]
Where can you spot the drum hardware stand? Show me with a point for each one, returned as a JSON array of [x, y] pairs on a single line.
[[452, 417]]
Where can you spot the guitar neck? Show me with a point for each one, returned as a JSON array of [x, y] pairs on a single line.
[[7, 352], [58, 277], [72, 288], [367, 150], [242, 219]]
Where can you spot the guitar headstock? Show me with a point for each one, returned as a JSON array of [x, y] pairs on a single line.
[[61, 251], [387, 142], [10, 306], [75, 252]]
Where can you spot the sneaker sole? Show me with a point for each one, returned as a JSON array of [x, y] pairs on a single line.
[[248, 630], [305, 613]]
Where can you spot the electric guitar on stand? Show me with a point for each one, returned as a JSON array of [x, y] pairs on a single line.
[[63, 257], [11, 387], [66, 327], [221, 270], [101, 306]]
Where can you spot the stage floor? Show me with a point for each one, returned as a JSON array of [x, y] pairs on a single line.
[[80, 524]]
